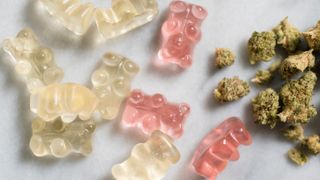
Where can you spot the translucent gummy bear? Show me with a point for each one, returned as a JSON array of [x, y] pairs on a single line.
[[112, 83], [148, 161], [74, 15], [59, 139], [181, 32], [150, 113], [125, 15], [219, 146], [65, 100], [33, 62]]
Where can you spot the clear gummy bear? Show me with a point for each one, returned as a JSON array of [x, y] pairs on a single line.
[[67, 101], [148, 161], [32, 61], [112, 83], [181, 32], [123, 16], [219, 146], [150, 113], [59, 139]]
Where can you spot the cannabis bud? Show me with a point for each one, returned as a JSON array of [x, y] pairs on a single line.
[[296, 97], [265, 76], [287, 35], [265, 108], [294, 132], [224, 57], [298, 156], [297, 63], [312, 144], [231, 89], [313, 37], [261, 46]]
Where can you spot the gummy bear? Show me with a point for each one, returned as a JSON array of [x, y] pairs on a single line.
[[181, 32], [112, 83], [219, 146], [148, 161], [124, 16], [59, 139], [74, 15], [65, 100], [32, 61], [150, 113]]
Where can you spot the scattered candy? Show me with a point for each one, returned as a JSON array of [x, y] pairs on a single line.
[[32, 61], [219, 146], [59, 139], [148, 161], [181, 32], [150, 113], [122, 17], [65, 100], [112, 83]]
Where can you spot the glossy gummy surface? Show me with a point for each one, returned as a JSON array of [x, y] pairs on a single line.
[[219, 146], [112, 83], [59, 139], [32, 61], [150, 113], [67, 101], [148, 161], [181, 32]]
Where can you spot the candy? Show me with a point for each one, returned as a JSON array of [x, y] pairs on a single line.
[[59, 139], [65, 100], [122, 17], [219, 146], [112, 83], [33, 62], [148, 161], [181, 32], [151, 113]]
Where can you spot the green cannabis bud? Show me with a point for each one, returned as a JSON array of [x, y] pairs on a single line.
[[297, 63], [312, 37], [294, 132], [297, 156], [287, 35], [265, 76], [296, 97], [231, 89], [224, 57], [312, 144], [265, 108], [261, 46]]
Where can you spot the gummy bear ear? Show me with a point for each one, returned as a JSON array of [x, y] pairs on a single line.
[[184, 109], [136, 97], [158, 100], [111, 59], [178, 6], [130, 67], [199, 12], [26, 33]]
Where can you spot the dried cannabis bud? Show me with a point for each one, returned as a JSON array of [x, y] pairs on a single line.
[[313, 37], [231, 89], [294, 132], [312, 144], [264, 76], [265, 108], [224, 57], [297, 156], [296, 97], [297, 63], [288, 36], [261, 46]]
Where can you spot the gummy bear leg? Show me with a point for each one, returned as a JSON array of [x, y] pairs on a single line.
[[86, 149], [37, 147], [59, 148]]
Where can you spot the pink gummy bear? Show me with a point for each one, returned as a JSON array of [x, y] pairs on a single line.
[[219, 146], [151, 113], [181, 32]]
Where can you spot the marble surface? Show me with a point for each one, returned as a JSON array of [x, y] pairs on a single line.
[[229, 24]]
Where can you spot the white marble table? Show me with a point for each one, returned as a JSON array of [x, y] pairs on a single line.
[[229, 24]]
